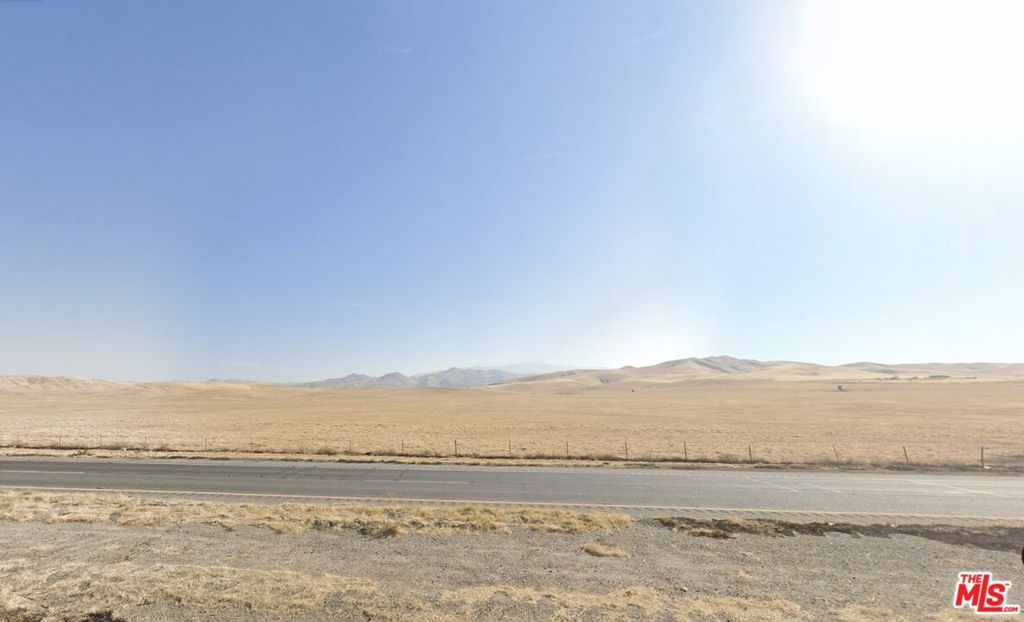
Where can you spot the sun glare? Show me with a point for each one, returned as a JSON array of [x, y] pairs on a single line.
[[934, 67]]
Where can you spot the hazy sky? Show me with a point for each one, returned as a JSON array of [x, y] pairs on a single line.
[[293, 190]]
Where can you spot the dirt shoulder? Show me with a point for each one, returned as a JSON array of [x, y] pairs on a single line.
[[69, 559]]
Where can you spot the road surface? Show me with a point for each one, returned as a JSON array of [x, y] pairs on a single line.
[[808, 495]]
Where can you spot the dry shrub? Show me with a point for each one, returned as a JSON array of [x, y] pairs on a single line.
[[602, 549]]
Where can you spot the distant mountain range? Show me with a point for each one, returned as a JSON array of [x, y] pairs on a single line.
[[530, 369], [680, 372], [451, 378]]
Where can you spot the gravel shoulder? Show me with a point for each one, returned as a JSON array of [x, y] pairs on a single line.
[[649, 570]]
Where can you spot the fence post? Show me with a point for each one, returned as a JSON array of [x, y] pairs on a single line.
[[456, 448], [626, 447], [836, 452], [403, 445], [686, 454], [750, 453], [566, 450], [906, 456], [983, 456], [510, 448]]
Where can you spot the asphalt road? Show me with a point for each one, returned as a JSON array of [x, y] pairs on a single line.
[[861, 496]]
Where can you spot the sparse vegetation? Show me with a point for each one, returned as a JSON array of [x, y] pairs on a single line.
[[86, 572], [35, 594], [32, 592], [991, 537], [375, 521]]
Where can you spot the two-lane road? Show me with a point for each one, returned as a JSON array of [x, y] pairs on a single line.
[[864, 496]]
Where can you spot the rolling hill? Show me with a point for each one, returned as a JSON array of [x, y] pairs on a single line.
[[681, 372], [727, 368]]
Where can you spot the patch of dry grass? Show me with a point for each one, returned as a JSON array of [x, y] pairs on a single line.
[[34, 593], [377, 521], [864, 613], [562, 604], [203, 588], [603, 549], [1003, 537], [33, 590], [52, 592]]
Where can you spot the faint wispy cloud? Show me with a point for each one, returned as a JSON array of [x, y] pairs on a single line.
[[651, 36], [345, 304], [395, 49], [543, 156]]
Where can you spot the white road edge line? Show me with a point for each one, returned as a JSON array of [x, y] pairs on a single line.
[[2, 471], [683, 508], [409, 481]]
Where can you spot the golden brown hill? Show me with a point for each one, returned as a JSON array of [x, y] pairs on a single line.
[[730, 369]]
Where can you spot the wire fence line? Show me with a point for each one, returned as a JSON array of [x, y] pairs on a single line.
[[1002, 455]]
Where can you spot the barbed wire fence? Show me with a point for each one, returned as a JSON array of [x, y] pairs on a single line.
[[894, 453]]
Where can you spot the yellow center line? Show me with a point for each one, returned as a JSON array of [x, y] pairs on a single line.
[[611, 506]]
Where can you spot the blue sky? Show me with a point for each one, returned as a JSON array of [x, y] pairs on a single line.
[[288, 191]]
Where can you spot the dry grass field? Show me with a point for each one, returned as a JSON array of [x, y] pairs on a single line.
[[796, 418]]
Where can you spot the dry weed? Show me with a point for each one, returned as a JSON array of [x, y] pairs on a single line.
[[200, 587], [34, 592], [603, 549], [863, 613], [989, 537]]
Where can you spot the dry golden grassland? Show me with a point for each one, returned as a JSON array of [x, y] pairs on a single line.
[[774, 421]]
